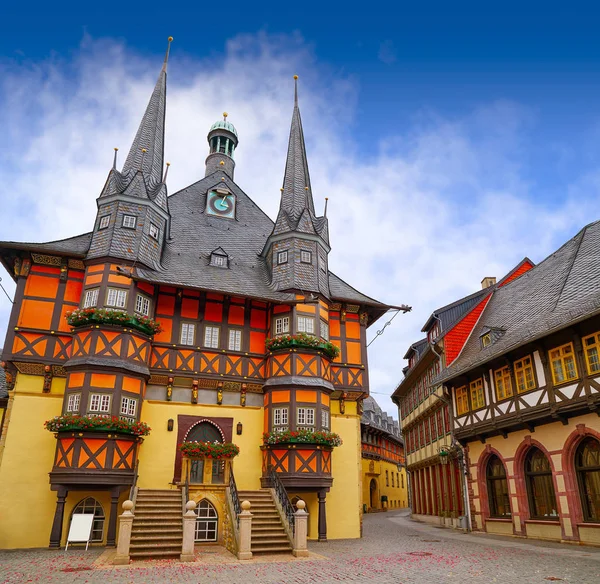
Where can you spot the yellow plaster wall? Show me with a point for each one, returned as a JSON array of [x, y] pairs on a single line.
[[27, 460], [157, 453], [344, 501], [395, 493]]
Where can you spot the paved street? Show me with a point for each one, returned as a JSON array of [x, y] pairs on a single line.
[[393, 550]]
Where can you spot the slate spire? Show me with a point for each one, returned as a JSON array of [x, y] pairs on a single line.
[[297, 193], [147, 151]]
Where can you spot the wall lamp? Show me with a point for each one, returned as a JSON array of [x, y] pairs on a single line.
[[170, 424], [239, 428]]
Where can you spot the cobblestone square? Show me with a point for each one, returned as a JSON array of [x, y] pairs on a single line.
[[393, 550]]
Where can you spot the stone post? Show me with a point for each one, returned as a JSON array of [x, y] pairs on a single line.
[[301, 530], [189, 525], [125, 524], [245, 532]]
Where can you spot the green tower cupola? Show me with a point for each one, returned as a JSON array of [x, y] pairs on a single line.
[[223, 141]]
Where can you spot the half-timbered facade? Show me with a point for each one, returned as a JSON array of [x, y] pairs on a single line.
[[383, 461], [256, 336], [435, 461], [526, 399]]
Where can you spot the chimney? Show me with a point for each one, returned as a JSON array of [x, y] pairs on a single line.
[[487, 282]]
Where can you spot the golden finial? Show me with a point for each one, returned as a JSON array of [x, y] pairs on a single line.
[[281, 189], [295, 76], [144, 150], [116, 149], [170, 39], [305, 188], [225, 114], [222, 163], [168, 164]]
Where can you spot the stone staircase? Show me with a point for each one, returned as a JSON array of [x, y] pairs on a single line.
[[157, 530], [268, 534]]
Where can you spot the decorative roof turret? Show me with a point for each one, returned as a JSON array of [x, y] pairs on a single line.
[[297, 229], [223, 140]]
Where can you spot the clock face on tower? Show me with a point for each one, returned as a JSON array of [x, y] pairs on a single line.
[[221, 204]]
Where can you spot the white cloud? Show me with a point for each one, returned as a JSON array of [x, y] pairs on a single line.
[[420, 220]]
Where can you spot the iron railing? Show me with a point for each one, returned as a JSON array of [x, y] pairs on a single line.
[[235, 499], [284, 500], [135, 478]]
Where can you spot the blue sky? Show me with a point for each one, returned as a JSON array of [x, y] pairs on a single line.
[[451, 140]]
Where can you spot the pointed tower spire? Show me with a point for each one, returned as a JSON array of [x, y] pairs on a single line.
[[151, 133], [297, 193]]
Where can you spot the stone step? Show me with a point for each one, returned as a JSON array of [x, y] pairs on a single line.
[[268, 538], [141, 533], [266, 521], [275, 549], [175, 538], [160, 513], [174, 506], [155, 554], [153, 525], [152, 547]]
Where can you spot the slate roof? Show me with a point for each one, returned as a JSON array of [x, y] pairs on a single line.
[[450, 314], [76, 246], [375, 417], [3, 390], [560, 291]]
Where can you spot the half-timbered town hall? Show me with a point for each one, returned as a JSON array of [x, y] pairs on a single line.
[[175, 331]]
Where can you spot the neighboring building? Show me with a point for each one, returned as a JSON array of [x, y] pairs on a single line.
[[434, 463], [526, 395], [383, 473], [220, 278]]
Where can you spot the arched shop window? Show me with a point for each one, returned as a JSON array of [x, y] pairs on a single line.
[[497, 488], [207, 522], [587, 465], [204, 432], [91, 506], [540, 488]]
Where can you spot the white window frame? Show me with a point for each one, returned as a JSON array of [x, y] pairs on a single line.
[[154, 231], [305, 417], [218, 260], [104, 222], [99, 403], [90, 300], [324, 330], [116, 297], [128, 406], [305, 256], [282, 325], [282, 257], [305, 324], [142, 305], [73, 403], [234, 341], [211, 336], [280, 418], [129, 221], [325, 419], [187, 335]]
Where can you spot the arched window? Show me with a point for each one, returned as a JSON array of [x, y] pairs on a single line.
[[91, 506], [207, 522], [540, 488], [205, 432], [587, 465], [497, 488]]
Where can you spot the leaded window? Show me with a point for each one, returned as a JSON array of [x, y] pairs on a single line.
[[100, 403], [282, 257], [305, 257], [324, 330], [280, 418], [90, 506], [207, 522], [306, 324], [188, 333], [128, 406], [306, 416], [497, 487], [503, 383], [142, 305], [524, 374], [324, 419], [73, 402], [477, 397], [129, 221], [211, 337], [235, 340], [587, 466], [562, 360], [591, 346], [104, 222], [540, 487], [90, 300], [282, 325], [116, 297]]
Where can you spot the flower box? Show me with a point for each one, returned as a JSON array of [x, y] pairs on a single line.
[[85, 316], [303, 436], [72, 422], [303, 341], [214, 450]]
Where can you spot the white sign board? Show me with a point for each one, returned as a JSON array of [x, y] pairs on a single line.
[[81, 529]]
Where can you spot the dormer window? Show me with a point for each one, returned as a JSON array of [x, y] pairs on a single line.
[[104, 221], [489, 335], [220, 261], [486, 340], [129, 221], [282, 257], [434, 332]]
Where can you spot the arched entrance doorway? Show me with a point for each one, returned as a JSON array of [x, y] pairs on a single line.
[[373, 493], [205, 432]]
